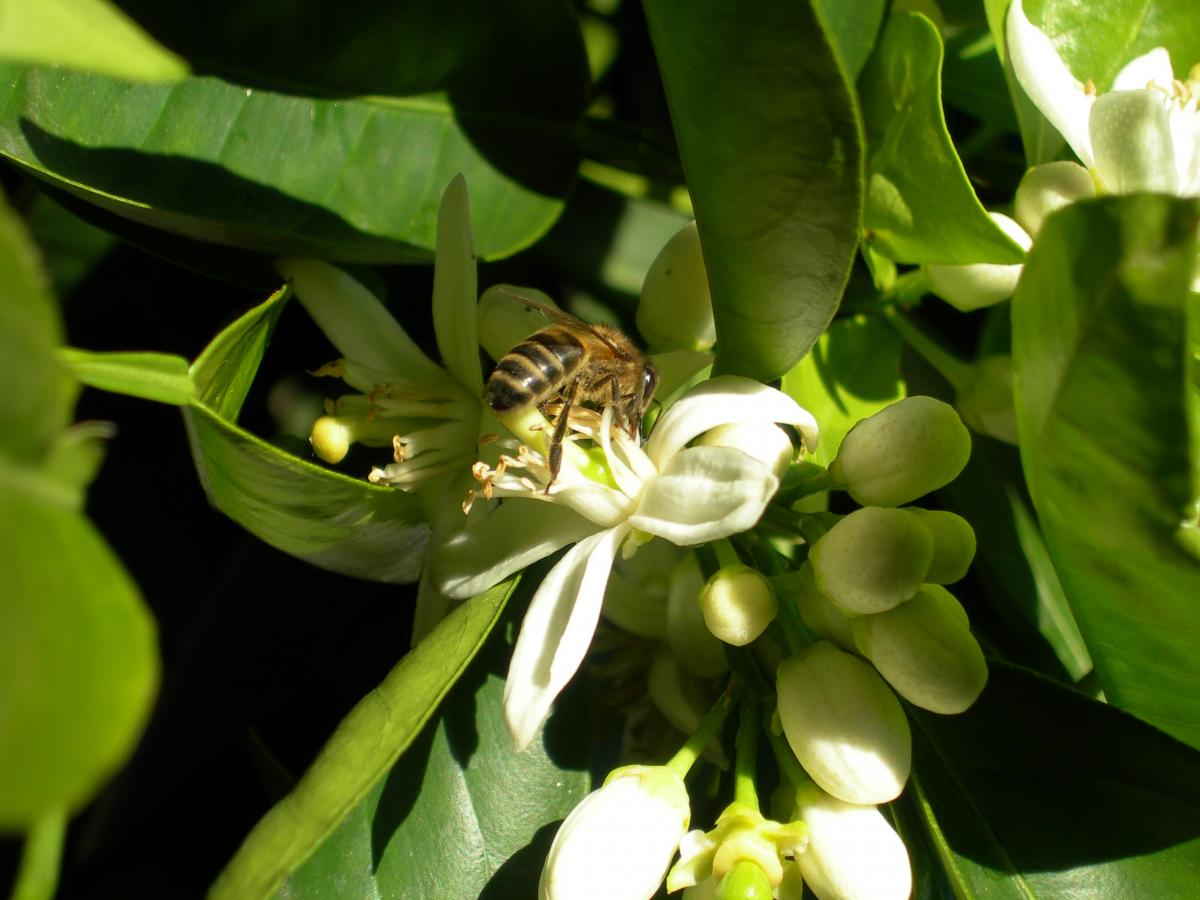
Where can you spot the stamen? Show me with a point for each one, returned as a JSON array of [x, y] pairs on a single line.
[[335, 369], [490, 438], [398, 453], [330, 407], [1089, 88], [469, 502]]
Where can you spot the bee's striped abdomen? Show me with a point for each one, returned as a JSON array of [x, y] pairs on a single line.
[[535, 369]]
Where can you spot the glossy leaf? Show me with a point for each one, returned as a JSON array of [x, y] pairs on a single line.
[[151, 376], [770, 141], [277, 173], [851, 373], [461, 814], [84, 34], [1099, 325], [920, 207], [852, 29], [361, 751], [1039, 792], [225, 370]]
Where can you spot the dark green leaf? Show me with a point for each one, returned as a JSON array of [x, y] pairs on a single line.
[[852, 373], [462, 814], [225, 370], [770, 140], [360, 752], [84, 34], [1099, 325], [920, 207], [356, 179], [852, 29], [151, 376], [1037, 791]]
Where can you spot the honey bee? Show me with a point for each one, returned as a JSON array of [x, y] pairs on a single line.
[[573, 362]]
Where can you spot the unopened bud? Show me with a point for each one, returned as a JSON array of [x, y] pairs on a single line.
[[678, 696], [820, 613], [765, 441], [687, 634], [926, 652], [953, 544], [872, 560], [985, 400], [745, 881], [1047, 188], [675, 312], [738, 605], [904, 451], [980, 284], [844, 724], [505, 321]]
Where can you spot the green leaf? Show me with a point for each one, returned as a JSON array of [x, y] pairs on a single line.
[[361, 751], [462, 813], [770, 140], [353, 179], [852, 29], [151, 376], [851, 373], [920, 207], [78, 655], [1037, 791], [84, 34], [71, 247], [1099, 343]]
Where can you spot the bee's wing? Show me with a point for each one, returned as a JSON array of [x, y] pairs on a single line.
[[562, 317]]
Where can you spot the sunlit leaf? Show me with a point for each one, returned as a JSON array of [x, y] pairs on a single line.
[[770, 141], [1099, 326], [151, 376]]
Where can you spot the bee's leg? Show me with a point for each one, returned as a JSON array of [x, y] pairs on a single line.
[[554, 449]]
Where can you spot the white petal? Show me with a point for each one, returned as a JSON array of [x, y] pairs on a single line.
[[852, 851], [596, 502], [1154, 66], [356, 322], [1131, 136], [455, 292], [722, 401], [557, 631], [1049, 83], [705, 493], [507, 539], [1185, 135]]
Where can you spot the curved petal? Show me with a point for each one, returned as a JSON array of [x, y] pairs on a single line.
[[1131, 136], [723, 401], [1185, 135], [557, 631], [1049, 83], [356, 322], [1154, 66], [455, 291], [508, 538], [705, 493]]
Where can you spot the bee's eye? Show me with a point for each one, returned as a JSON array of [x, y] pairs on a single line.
[[649, 383]]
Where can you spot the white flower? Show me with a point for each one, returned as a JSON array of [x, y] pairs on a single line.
[[618, 842], [687, 495], [978, 285], [853, 854], [1142, 135]]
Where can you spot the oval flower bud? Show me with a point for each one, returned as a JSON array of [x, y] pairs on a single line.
[[980, 284], [926, 652], [1047, 188], [745, 881], [985, 400], [619, 840], [675, 312], [872, 560], [820, 613], [696, 648], [852, 853], [738, 605], [953, 544], [845, 726], [904, 451], [765, 441]]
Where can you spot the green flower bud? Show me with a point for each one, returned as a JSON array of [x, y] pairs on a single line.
[[904, 451], [738, 605], [1047, 188], [820, 613], [745, 881], [675, 312], [687, 634], [953, 544], [980, 284], [925, 651], [845, 726], [504, 321], [766, 442], [985, 400], [872, 560]]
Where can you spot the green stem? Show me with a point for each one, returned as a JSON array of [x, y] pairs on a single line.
[[795, 632], [949, 366], [788, 764], [744, 790], [41, 857], [681, 763], [726, 555]]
